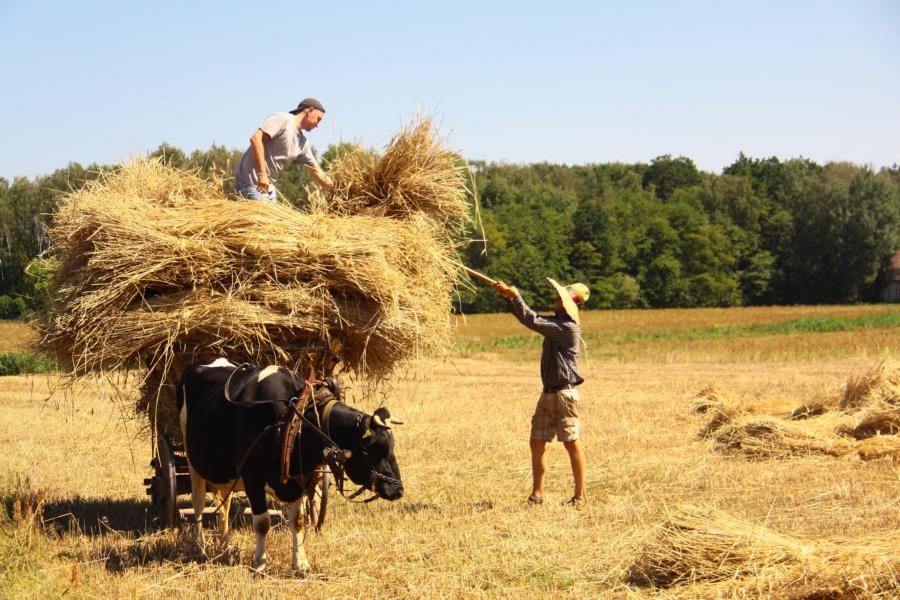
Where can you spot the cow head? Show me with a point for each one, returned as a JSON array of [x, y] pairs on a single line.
[[372, 463]]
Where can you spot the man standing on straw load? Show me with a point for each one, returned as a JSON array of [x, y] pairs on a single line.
[[277, 142], [556, 414]]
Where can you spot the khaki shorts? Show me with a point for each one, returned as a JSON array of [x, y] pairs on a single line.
[[556, 415]]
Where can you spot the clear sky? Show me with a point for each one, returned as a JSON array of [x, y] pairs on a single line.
[[567, 82]]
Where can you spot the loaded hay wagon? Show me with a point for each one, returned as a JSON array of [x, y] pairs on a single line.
[[156, 269]]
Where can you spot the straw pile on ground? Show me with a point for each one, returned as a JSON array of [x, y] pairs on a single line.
[[157, 269], [701, 552], [862, 420]]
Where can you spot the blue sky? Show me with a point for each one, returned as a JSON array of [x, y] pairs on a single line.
[[567, 82]]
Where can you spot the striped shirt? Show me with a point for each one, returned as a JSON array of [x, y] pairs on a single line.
[[559, 355]]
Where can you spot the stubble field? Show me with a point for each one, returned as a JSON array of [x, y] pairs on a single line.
[[74, 519]]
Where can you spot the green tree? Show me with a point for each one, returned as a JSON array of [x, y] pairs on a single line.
[[666, 174], [662, 283]]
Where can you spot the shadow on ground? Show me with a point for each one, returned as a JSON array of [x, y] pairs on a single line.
[[98, 516]]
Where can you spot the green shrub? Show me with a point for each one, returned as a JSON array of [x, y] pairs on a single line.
[[16, 362], [12, 308]]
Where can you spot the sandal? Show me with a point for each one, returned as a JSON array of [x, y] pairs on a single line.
[[535, 500], [575, 502]]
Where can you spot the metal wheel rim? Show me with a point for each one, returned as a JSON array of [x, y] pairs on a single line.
[[318, 500]]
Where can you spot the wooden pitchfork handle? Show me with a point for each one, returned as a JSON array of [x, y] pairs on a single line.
[[480, 276]]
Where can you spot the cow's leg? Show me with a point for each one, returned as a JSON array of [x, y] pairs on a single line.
[[261, 524], [297, 521], [223, 512], [198, 484], [198, 501], [256, 493]]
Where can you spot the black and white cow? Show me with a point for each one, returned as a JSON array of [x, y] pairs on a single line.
[[224, 431]]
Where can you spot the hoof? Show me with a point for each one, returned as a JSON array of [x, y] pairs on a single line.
[[302, 568], [260, 565]]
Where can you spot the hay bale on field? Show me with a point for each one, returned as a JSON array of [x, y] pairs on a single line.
[[873, 422], [713, 398], [157, 269], [762, 436], [725, 412], [833, 426], [709, 398], [705, 552], [879, 446], [867, 580], [879, 384], [819, 404]]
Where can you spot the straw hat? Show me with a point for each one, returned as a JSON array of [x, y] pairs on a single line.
[[572, 297]]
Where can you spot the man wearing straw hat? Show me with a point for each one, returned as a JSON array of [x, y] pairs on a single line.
[[556, 414], [278, 142]]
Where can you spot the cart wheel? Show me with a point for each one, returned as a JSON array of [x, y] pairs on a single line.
[[162, 486], [317, 501]]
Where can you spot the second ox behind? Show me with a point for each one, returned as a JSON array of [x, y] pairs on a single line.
[[233, 420]]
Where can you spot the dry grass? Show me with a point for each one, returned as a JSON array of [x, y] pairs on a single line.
[[640, 321], [462, 530], [834, 425], [700, 545], [15, 335], [654, 336]]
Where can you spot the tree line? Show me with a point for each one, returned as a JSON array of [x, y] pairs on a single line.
[[658, 235]]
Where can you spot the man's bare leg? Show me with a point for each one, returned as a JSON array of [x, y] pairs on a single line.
[[538, 467], [576, 457]]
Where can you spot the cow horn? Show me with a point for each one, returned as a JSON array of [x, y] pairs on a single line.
[[395, 421], [386, 423]]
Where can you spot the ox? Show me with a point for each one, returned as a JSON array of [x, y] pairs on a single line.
[[233, 419]]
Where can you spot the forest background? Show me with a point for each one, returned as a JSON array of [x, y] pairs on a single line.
[[645, 235]]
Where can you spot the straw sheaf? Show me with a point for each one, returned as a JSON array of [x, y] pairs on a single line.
[[155, 264], [842, 425], [879, 383], [415, 174], [702, 552]]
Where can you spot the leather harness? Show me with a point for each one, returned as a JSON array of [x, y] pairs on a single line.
[[290, 431], [292, 426]]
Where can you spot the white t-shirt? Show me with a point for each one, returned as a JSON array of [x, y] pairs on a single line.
[[288, 144]]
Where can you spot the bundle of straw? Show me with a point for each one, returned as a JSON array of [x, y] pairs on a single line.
[[157, 269], [878, 384], [414, 174], [869, 406], [765, 436], [250, 278], [709, 553]]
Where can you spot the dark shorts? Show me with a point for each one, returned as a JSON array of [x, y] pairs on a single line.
[[556, 415]]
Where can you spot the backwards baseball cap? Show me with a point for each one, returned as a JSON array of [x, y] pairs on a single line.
[[308, 103]]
